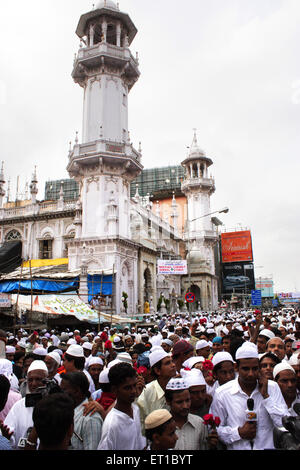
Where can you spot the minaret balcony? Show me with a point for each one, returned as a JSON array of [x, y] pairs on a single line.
[[105, 54], [198, 183]]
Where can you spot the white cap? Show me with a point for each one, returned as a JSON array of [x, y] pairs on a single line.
[[283, 365], [177, 384], [248, 350], [192, 361], [103, 376], [40, 352], [124, 357], [87, 345], [221, 357], [75, 350], [6, 368], [54, 355], [193, 377], [94, 360], [157, 355], [201, 344], [294, 360], [113, 363], [268, 333], [37, 365], [71, 341], [10, 349]]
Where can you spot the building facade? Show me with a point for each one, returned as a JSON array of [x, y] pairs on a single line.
[[94, 220]]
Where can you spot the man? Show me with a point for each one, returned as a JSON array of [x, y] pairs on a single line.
[[153, 395], [190, 429], [4, 391], [267, 362], [230, 402], [53, 361], [6, 370], [182, 351], [74, 360], [203, 349], [167, 345], [122, 428], [276, 346], [217, 345], [197, 387], [226, 343], [53, 419], [223, 370], [87, 427], [160, 429], [263, 337], [19, 418], [285, 376]]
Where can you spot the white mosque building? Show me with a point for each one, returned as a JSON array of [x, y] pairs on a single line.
[[107, 231]]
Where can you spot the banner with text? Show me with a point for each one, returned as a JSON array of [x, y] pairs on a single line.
[[171, 266]]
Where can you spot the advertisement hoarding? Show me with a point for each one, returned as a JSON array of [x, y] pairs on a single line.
[[166, 266], [236, 247], [238, 277]]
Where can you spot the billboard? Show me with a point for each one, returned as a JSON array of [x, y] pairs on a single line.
[[265, 285], [166, 266], [236, 247], [5, 300], [238, 277]]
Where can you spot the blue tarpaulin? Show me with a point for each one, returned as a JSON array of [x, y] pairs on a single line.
[[38, 286], [99, 284]]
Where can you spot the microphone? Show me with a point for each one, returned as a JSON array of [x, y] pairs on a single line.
[[296, 408], [251, 415]]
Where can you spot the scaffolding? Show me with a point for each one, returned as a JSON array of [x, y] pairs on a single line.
[[158, 182], [70, 190]]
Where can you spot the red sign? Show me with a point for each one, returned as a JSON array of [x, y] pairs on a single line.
[[190, 297], [236, 247]]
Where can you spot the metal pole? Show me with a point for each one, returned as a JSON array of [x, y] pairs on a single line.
[[30, 322]]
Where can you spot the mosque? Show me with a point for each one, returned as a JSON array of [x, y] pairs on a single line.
[[106, 231]]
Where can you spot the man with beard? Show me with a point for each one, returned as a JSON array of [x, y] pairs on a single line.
[[285, 375]]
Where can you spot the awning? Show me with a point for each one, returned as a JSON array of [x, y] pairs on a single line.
[[65, 304], [10, 256]]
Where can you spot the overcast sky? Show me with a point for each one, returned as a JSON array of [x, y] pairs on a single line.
[[229, 68]]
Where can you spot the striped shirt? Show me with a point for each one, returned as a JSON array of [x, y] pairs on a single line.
[[88, 428]]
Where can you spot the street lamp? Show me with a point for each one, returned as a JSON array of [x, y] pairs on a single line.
[[225, 211]]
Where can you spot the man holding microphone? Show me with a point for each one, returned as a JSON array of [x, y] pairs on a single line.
[[249, 406]]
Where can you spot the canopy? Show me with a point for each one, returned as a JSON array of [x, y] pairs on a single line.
[[10, 256]]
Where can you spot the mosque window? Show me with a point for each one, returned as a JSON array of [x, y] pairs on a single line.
[[112, 34], [45, 249], [13, 235]]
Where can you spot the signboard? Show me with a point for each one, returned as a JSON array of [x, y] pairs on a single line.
[[190, 297], [289, 296], [165, 266], [265, 285], [255, 297], [275, 302], [5, 300], [236, 247], [238, 278]]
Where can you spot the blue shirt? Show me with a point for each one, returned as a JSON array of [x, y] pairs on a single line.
[[4, 444]]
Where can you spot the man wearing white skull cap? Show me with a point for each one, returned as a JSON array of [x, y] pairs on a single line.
[[153, 396], [19, 418], [284, 374], [230, 402]]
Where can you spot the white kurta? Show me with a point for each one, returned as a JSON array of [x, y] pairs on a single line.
[[19, 419], [120, 432], [230, 404]]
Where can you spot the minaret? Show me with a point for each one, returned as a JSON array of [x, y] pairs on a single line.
[[105, 162], [33, 186], [198, 186]]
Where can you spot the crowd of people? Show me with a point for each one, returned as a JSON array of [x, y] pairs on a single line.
[[200, 381]]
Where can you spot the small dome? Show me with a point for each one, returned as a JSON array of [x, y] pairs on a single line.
[[106, 4]]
